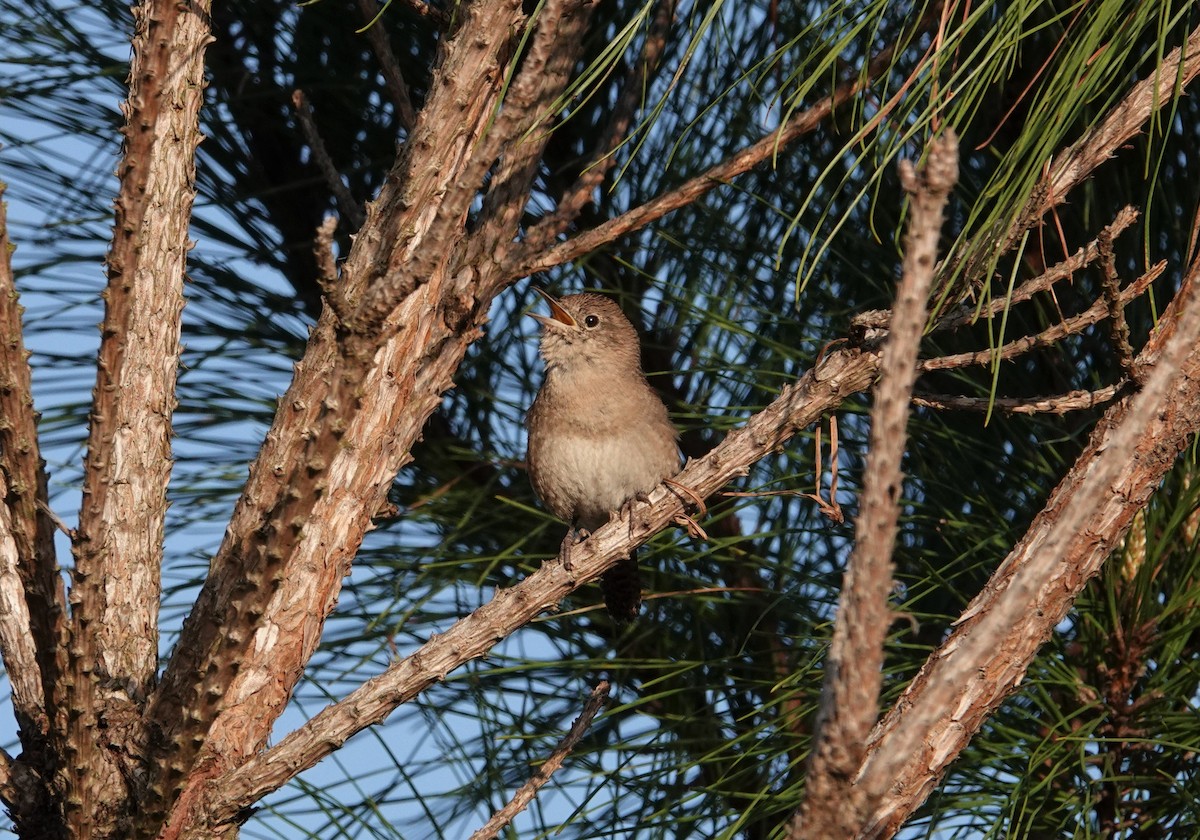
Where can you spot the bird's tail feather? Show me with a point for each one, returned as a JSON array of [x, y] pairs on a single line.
[[622, 587]]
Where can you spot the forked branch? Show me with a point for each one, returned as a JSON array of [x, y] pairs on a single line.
[[996, 638], [832, 806]]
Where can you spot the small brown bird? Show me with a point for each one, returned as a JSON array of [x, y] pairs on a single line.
[[598, 433]]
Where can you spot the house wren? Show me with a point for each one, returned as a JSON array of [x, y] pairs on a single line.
[[598, 433]]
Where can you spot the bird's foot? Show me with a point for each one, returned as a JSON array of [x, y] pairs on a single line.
[[573, 538], [640, 497]]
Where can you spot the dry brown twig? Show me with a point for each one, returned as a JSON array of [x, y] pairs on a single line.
[[1060, 404], [528, 791], [876, 323], [832, 806], [392, 77], [1094, 314], [349, 208], [830, 509]]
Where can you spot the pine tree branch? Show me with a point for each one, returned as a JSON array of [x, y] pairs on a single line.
[[832, 806], [1072, 166], [996, 638], [633, 90], [1058, 404], [16, 639], [37, 615], [965, 314], [524, 261], [839, 374], [118, 553], [523, 126], [1094, 314], [528, 791]]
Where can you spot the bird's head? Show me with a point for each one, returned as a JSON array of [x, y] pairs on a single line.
[[587, 330]]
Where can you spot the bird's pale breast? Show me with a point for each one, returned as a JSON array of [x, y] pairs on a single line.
[[594, 475]]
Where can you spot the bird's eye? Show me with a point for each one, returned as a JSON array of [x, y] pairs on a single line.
[[591, 321]]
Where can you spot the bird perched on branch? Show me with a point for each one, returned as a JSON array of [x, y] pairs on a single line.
[[599, 435]]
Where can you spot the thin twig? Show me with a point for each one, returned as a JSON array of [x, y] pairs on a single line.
[[524, 796], [633, 88], [1111, 284], [523, 261], [965, 314], [320, 155], [1094, 314], [832, 806], [393, 79], [1061, 404], [49, 513]]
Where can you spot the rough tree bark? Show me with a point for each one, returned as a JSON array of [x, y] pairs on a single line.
[[833, 806], [183, 755]]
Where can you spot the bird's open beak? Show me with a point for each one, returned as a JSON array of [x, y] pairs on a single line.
[[560, 317]]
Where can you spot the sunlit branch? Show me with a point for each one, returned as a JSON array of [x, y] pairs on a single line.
[[1060, 404], [996, 638], [1094, 314], [832, 806], [528, 791]]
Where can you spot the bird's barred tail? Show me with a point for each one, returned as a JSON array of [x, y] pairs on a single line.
[[622, 587]]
